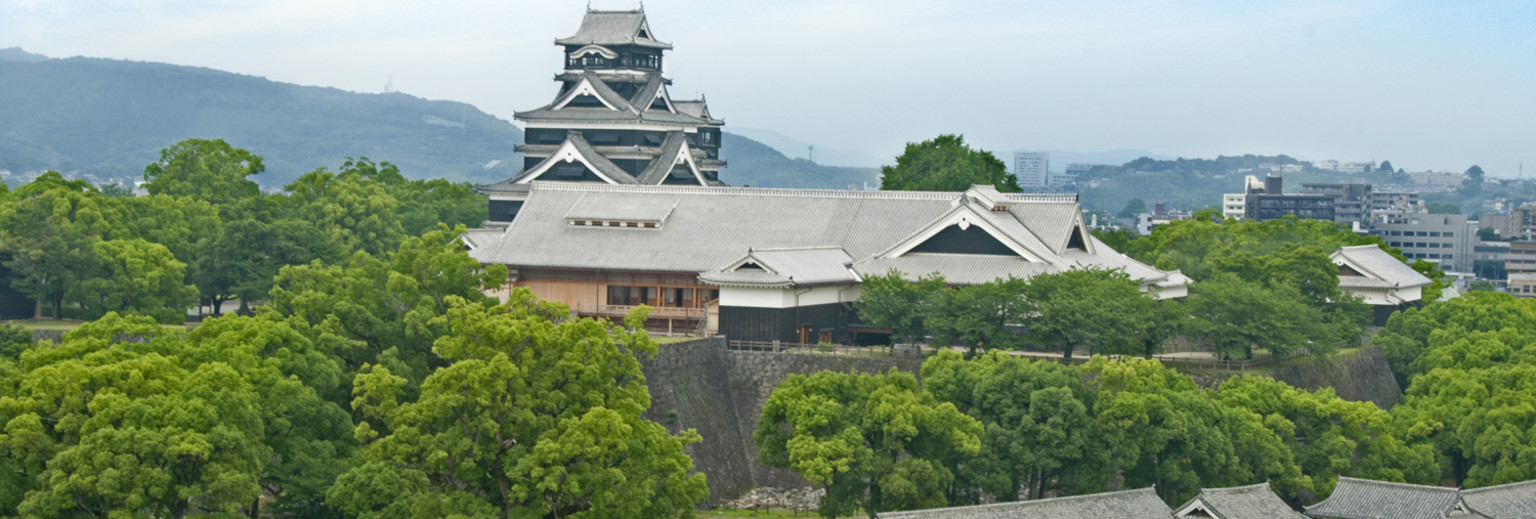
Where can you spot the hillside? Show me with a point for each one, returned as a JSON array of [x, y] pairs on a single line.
[[112, 117], [751, 163]]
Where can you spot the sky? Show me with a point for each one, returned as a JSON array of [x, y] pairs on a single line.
[[1428, 85]]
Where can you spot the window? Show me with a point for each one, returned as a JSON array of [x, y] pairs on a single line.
[[1434, 234], [619, 295], [1422, 233], [1449, 234]]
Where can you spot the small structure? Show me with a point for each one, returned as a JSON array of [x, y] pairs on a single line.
[[1366, 499], [1511, 501], [1252, 501], [1125, 504], [1381, 280]]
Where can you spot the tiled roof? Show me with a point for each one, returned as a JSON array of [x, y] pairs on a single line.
[[708, 229], [1511, 501], [801, 267], [575, 140], [1375, 263], [601, 209], [1125, 504], [476, 238], [613, 28], [1367, 499], [661, 166], [1247, 502]]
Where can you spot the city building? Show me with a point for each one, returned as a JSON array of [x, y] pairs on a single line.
[[760, 264], [1378, 278], [1247, 502], [1502, 223], [1445, 239], [1395, 206], [1264, 201], [1521, 284], [1355, 168], [1234, 205], [1329, 165], [1033, 169], [613, 120], [1351, 202], [1521, 258], [1160, 216], [1437, 180]]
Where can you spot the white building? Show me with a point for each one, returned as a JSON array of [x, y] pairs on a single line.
[[1380, 279], [1032, 168]]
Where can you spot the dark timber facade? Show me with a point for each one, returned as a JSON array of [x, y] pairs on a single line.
[[612, 120]]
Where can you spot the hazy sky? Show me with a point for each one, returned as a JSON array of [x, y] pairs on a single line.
[[1427, 85]]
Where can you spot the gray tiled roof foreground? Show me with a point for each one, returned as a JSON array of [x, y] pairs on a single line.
[[1352, 499]]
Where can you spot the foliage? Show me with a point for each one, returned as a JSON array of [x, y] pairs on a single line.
[[1103, 310], [1481, 285], [890, 301], [874, 442], [1233, 315], [49, 236], [206, 170], [1442, 208], [136, 277], [946, 163], [1469, 365], [354, 211], [14, 339], [1039, 437], [980, 316], [1132, 208], [535, 416], [1488, 234]]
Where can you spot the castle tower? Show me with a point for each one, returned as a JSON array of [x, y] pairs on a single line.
[[613, 120]]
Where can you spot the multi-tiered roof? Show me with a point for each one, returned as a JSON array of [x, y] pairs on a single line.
[[613, 120]]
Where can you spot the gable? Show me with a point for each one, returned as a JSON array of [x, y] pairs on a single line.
[[969, 239], [1076, 241], [1346, 270]]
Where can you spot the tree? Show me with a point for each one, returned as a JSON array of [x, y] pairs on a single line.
[[14, 339], [354, 211], [423, 204], [874, 442], [946, 163], [1117, 238], [537, 415], [1386, 165], [208, 170], [1443, 208], [49, 235], [96, 427], [1488, 234], [1039, 437], [979, 316], [1481, 285], [1103, 310], [137, 277], [243, 259], [1473, 186], [1232, 315], [1132, 208], [890, 301]]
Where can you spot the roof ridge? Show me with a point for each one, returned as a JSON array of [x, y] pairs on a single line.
[[1151, 489], [807, 247], [1498, 487], [1254, 486], [1403, 485], [762, 191]]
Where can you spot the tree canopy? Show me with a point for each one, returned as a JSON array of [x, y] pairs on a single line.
[[946, 163]]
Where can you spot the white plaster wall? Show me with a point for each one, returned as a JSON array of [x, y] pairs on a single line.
[[756, 297]]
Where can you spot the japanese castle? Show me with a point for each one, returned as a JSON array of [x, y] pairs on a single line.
[[613, 121]]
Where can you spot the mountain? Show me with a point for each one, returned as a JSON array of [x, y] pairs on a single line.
[[111, 118], [1060, 158], [793, 148], [752, 163], [16, 54]]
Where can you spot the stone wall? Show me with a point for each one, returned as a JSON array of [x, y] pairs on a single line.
[[720, 393], [1360, 376]]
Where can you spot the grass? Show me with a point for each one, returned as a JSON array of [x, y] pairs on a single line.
[[66, 325]]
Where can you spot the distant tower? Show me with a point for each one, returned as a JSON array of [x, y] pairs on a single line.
[[1033, 169], [612, 120]]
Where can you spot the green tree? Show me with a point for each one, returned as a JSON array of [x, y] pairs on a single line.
[[48, 234], [137, 277], [1232, 315], [946, 163], [1488, 234], [1039, 436], [208, 170], [1103, 310], [890, 301], [1117, 238], [423, 204], [1443, 207], [243, 259], [1481, 285], [1132, 208], [1386, 165], [979, 316], [874, 442], [537, 415], [13, 340], [1473, 186], [100, 428], [354, 211]]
